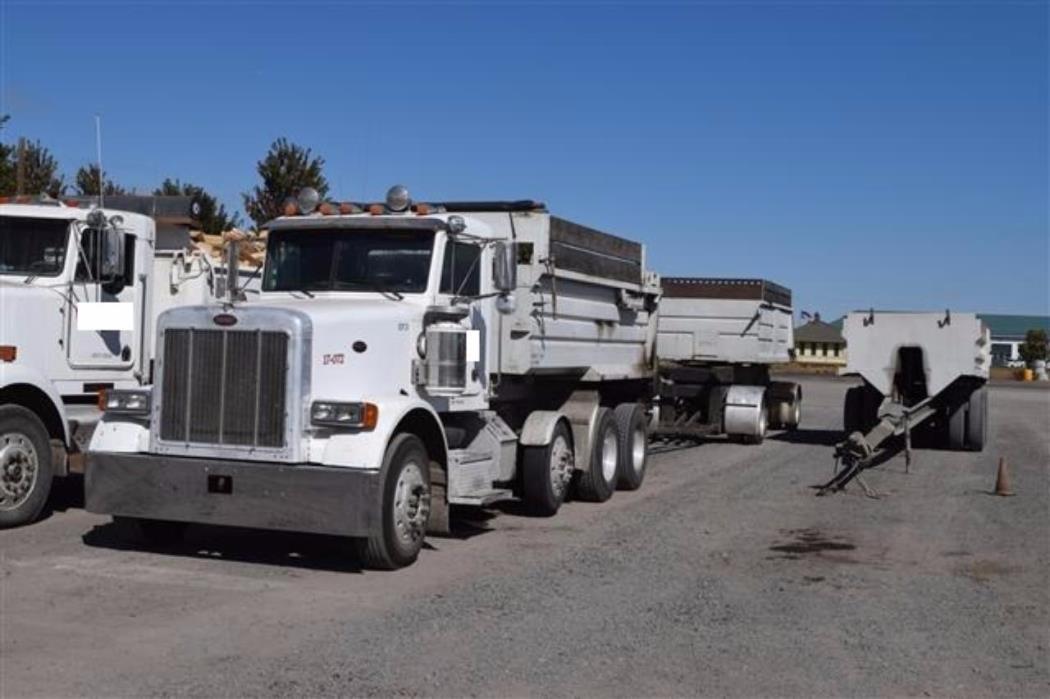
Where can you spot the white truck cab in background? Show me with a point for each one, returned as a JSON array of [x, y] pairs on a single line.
[[78, 291]]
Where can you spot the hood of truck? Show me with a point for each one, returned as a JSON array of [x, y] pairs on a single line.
[[362, 345]]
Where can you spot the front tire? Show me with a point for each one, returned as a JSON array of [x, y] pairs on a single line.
[[598, 482], [547, 471], [26, 470], [405, 506]]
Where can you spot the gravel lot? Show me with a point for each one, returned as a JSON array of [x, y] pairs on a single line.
[[724, 575]]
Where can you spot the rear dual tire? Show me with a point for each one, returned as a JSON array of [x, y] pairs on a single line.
[[633, 425], [598, 482]]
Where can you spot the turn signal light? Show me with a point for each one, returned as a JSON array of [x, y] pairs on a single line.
[[8, 353]]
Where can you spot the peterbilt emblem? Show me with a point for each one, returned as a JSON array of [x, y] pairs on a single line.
[[225, 320]]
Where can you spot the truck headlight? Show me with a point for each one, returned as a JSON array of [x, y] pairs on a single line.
[[126, 402], [333, 414]]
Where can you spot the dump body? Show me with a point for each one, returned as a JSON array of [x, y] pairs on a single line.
[[585, 302], [951, 345], [924, 374], [725, 320], [717, 339]]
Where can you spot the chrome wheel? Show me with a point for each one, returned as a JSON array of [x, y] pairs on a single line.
[[560, 466], [19, 465], [610, 455], [411, 504]]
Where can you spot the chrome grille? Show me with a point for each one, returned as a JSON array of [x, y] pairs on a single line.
[[224, 387]]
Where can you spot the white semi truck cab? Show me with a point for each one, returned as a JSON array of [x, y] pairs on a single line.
[[77, 296], [400, 358]]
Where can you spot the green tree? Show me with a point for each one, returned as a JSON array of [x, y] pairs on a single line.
[[87, 179], [285, 170], [7, 162], [38, 168], [213, 216], [1034, 346]]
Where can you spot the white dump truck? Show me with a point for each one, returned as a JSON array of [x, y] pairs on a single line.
[[717, 340], [401, 358], [79, 289], [924, 375]]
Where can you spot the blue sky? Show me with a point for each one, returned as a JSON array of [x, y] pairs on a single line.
[[886, 154]]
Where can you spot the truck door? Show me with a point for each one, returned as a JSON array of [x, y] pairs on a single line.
[[96, 337]]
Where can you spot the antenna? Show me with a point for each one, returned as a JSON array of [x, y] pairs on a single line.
[[98, 152]]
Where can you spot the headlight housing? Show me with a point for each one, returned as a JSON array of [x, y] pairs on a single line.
[[328, 413], [123, 402]]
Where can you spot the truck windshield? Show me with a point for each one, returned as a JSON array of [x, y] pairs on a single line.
[[33, 246], [348, 260]]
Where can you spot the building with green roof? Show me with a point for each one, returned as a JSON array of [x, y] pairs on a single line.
[[1008, 333]]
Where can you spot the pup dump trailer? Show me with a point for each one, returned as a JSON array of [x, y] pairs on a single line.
[[401, 358], [717, 340], [922, 373], [60, 262]]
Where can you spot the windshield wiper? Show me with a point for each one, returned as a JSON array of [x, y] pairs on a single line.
[[371, 285]]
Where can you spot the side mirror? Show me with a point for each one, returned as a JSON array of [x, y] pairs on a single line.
[[504, 267], [111, 259]]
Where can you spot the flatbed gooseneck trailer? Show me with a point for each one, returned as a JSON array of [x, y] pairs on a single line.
[[924, 377], [404, 357]]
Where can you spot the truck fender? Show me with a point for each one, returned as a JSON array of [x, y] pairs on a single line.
[[538, 429], [14, 376], [365, 449]]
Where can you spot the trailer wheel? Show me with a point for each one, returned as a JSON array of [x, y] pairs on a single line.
[[795, 412], [977, 419], [763, 424], [851, 410], [547, 471], [957, 427], [26, 470], [634, 444], [597, 483], [156, 532], [405, 506]]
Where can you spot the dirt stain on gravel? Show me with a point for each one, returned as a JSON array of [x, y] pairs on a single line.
[[809, 541], [984, 570]]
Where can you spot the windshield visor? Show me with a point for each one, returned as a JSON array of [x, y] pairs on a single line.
[[33, 246], [348, 260]]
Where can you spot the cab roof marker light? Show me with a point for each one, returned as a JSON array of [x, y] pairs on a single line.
[[308, 199], [456, 224], [346, 207], [326, 209], [421, 209], [289, 208], [397, 198], [375, 209]]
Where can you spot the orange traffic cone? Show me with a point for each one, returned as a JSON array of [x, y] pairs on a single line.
[[1002, 479]]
